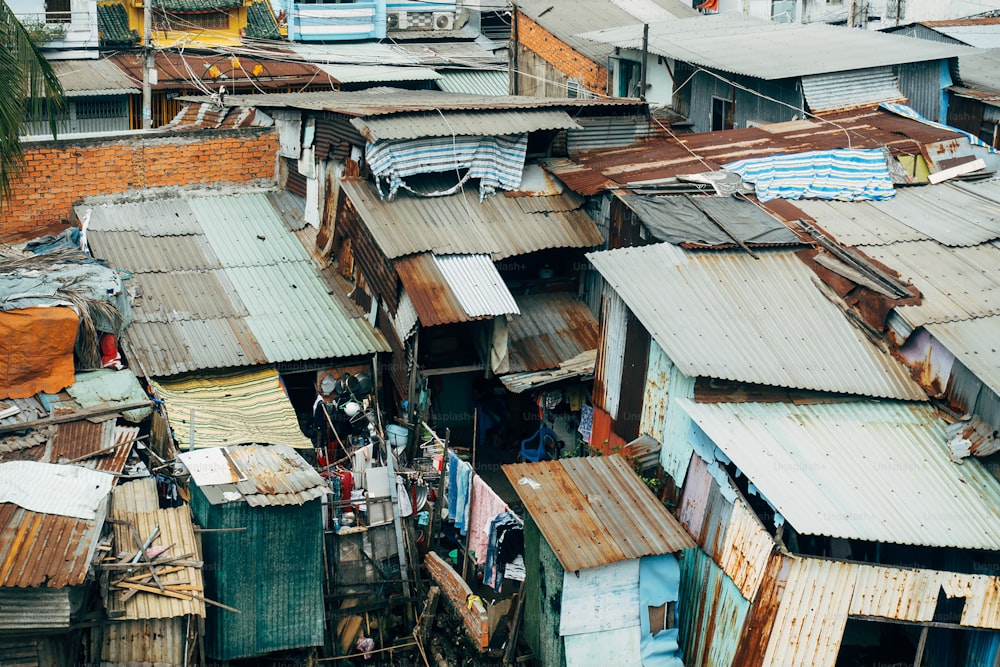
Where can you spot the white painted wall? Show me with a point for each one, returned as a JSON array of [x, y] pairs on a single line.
[[659, 85], [819, 10]]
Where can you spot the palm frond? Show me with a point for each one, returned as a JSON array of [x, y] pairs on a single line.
[[32, 92]]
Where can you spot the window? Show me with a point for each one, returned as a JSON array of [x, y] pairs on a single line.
[[722, 114], [629, 78], [183, 22]]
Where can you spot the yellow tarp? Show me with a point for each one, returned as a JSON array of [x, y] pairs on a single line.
[[232, 407], [36, 350]]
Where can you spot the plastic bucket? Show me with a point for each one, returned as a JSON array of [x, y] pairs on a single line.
[[398, 436]]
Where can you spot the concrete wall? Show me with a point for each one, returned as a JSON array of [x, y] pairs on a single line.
[[57, 174]]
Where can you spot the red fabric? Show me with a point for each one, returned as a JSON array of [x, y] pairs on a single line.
[[109, 351], [711, 5]]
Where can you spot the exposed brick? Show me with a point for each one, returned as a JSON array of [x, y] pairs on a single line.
[[561, 55], [58, 174], [457, 592]]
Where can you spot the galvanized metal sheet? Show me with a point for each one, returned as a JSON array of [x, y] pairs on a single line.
[[461, 224], [746, 549], [475, 82], [712, 613], [44, 549], [151, 642], [839, 91], [344, 73], [468, 123], [32, 610], [955, 283], [974, 343], [754, 47], [950, 215], [477, 285], [731, 316], [595, 511], [551, 329], [611, 355], [600, 598], [876, 471], [231, 408], [580, 367], [64, 490], [858, 223], [92, 77], [434, 302]]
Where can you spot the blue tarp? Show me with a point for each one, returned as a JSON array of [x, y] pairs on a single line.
[[845, 175], [497, 162], [659, 583], [907, 112]]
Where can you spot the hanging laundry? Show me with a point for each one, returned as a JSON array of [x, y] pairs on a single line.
[[486, 505], [500, 527], [464, 475]]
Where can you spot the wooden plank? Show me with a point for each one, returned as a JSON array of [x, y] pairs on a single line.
[[75, 416]]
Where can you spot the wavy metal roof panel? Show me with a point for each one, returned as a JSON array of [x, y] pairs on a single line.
[[31, 610], [468, 123], [757, 48], [343, 73], [92, 77], [222, 282], [136, 504], [951, 215], [477, 285], [956, 283], [839, 91], [730, 316], [595, 511], [431, 295], [44, 549], [551, 329], [858, 223], [975, 344], [875, 471], [475, 82], [462, 225]]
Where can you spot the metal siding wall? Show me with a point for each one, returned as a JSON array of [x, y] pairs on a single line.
[[542, 597], [711, 612], [753, 107], [703, 88], [614, 325], [921, 83]]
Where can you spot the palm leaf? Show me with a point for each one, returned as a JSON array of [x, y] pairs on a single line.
[[31, 92]]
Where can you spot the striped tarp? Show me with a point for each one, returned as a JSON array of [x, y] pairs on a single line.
[[496, 161], [845, 175], [232, 407], [908, 112]]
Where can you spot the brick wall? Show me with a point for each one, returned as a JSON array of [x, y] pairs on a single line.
[[456, 591], [58, 174], [561, 55]]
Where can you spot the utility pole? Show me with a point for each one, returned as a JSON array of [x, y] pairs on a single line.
[[645, 56], [148, 65]]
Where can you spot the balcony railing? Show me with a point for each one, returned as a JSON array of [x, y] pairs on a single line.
[[45, 27]]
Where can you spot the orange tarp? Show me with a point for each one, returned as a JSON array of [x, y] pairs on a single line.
[[36, 350]]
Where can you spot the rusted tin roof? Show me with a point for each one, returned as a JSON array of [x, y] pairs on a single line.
[[657, 159], [595, 511], [185, 71], [136, 506], [208, 116], [256, 474], [974, 343], [727, 315], [44, 549], [462, 225], [454, 288], [865, 470], [551, 329]]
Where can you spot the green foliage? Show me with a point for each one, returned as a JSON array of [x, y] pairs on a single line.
[[40, 32], [31, 92]]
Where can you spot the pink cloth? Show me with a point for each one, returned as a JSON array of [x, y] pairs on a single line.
[[485, 506]]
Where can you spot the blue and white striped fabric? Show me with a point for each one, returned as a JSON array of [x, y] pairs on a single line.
[[908, 112], [497, 162], [845, 175]]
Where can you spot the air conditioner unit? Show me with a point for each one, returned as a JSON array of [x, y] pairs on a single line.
[[443, 21], [396, 21]]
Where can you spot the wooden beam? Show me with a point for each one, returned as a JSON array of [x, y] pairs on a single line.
[[75, 416]]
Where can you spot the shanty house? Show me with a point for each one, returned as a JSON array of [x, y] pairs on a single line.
[[265, 557], [601, 556], [714, 71]]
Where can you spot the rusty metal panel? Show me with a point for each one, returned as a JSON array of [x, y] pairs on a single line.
[[890, 471], [973, 342], [902, 594], [145, 642], [176, 71], [551, 329], [704, 511], [461, 224], [33, 609], [595, 511], [44, 549], [712, 612], [431, 295], [703, 300], [841, 91], [610, 358], [746, 549]]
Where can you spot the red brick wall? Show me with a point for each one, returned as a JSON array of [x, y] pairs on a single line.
[[561, 55], [454, 588], [58, 174]]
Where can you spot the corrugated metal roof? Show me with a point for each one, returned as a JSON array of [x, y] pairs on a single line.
[[31, 610], [566, 20], [839, 91], [231, 408], [431, 295], [148, 643], [210, 116], [819, 595], [955, 283], [754, 47], [730, 316], [44, 549], [477, 285], [237, 289], [475, 82], [377, 73], [264, 475], [858, 223], [981, 70], [875, 471], [580, 366], [467, 123], [64, 490], [175, 70], [983, 34], [975, 344], [552, 329], [462, 225], [662, 158], [135, 503], [81, 438], [595, 511], [92, 77]]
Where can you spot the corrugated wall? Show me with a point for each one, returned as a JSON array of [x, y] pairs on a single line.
[[611, 353], [272, 573], [147, 643], [661, 417], [711, 612], [922, 84], [542, 597], [747, 105]]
